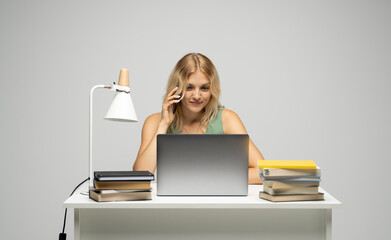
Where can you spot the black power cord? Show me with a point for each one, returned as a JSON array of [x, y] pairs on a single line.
[[63, 236]]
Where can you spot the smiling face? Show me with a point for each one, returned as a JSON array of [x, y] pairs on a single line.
[[197, 94]]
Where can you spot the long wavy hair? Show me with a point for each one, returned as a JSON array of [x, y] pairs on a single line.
[[179, 76]]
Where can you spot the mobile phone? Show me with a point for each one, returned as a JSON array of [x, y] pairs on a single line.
[[176, 105]]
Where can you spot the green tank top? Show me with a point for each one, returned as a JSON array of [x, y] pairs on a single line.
[[215, 126]]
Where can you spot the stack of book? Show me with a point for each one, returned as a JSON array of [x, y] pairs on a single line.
[[121, 186], [285, 181]]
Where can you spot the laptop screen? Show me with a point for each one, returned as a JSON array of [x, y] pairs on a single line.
[[202, 164]]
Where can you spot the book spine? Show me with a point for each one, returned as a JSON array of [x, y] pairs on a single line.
[[305, 179], [290, 172], [304, 164]]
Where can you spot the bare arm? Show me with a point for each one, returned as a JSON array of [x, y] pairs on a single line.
[[233, 125], [155, 124], [146, 157]]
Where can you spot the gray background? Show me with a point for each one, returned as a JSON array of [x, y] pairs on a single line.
[[309, 79]]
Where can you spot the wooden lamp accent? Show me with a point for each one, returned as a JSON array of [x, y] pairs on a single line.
[[123, 77]]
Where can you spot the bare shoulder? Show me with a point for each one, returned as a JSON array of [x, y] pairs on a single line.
[[154, 117], [227, 114], [232, 123], [152, 121]]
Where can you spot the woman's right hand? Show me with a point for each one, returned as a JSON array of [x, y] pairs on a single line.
[[168, 107]]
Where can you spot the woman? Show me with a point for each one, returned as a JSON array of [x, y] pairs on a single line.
[[191, 106]]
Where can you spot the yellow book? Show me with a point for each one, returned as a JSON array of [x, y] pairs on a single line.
[[301, 164]]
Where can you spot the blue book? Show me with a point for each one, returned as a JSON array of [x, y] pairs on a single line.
[[309, 178]]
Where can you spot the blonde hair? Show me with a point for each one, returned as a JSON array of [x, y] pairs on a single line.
[[179, 76]]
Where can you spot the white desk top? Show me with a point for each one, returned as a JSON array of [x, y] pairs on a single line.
[[252, 201]]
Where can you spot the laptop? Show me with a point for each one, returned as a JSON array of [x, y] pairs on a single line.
[[202, 164]]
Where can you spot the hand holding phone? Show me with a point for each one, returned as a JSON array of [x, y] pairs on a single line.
[[176, 104]]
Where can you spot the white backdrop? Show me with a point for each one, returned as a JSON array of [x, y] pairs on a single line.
[[309, 79]]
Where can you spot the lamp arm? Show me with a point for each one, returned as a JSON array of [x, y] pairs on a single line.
[[91, 120]]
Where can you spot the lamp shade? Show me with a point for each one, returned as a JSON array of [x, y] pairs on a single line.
[[122, 108]]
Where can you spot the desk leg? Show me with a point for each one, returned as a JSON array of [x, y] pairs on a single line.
[[328, 223], [76, 224]]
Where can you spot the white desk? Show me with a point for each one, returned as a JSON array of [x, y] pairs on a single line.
[[202, 218]]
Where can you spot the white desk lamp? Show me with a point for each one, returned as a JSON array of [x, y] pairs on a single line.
[[121, 108]]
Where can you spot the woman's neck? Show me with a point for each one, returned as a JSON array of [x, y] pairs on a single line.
[[192, 123], [191, 117]]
